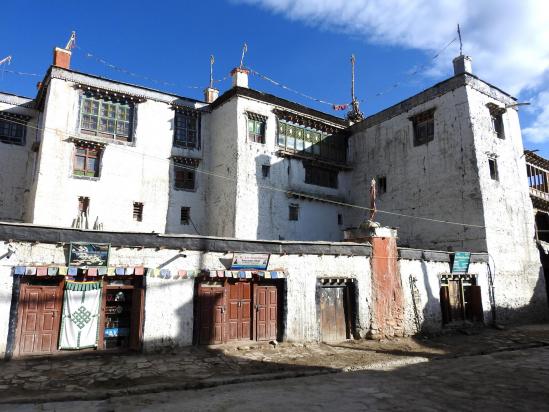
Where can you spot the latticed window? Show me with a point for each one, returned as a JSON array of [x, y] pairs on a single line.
[[12, 131], [106, 118], [256, 128], [86, 161], [424, 127], [297, 138], [184, 179], [186, 126], [138, 211]]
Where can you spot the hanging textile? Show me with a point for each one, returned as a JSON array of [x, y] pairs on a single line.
[[80, 320]]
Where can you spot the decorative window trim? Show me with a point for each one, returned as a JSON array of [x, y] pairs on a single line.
[[256, 116], [262, 122], [84, 173]]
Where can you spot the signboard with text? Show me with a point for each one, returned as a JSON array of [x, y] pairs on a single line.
[[89, 254], [461, 262], [257, 261]]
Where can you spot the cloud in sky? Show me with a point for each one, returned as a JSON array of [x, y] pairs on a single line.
[[507, 39]]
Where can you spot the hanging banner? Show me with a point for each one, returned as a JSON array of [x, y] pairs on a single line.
[[257, 261], [89, 254], [80, 319], [461, 262]]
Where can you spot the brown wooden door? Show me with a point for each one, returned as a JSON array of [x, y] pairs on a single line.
[[266, 311], [456, 301], [239, 310], [332, 314], [39, 319], [211, 314]]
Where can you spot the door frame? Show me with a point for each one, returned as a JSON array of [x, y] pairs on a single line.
[[350, 303]]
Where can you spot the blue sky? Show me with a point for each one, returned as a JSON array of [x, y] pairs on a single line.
[[304, 44]]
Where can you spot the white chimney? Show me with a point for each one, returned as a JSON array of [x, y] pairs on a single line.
[[462, 64], [210, 94], [240, 77]]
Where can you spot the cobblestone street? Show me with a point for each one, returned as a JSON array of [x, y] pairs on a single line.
[[474, 364]]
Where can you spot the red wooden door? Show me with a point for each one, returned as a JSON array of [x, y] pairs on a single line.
[[39, 319], [266, 312], [239, 310], [333, 326], [211, 314]]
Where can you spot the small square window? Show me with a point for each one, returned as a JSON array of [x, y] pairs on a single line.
[[83, 204], [185, 217], [265, 171], [138, 211], [293, 212], [493, 164], [381, 184]]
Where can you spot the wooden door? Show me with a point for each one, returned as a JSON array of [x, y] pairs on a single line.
[[266, 312], [332, 314], [239, 310], [455, 300], [39, 319], [211, 314]]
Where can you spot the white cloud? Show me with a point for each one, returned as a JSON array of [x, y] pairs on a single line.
[[538, 131], [507, 39]]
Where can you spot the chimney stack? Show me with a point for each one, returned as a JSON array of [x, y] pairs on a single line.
[[240, 77], [462, 64], [62, 58], [210, 94]]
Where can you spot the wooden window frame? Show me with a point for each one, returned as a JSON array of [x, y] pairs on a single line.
[[423, 127], [88, 154], [117, 113], [12, 131], [256, 136], [183, 133], [83, 204], [138, 211], [184, 179]]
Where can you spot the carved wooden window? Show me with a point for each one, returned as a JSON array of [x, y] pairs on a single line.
[[424, 127], [106, 117]]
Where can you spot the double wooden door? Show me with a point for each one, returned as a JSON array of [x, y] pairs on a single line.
[[236, 311], [39, 319]]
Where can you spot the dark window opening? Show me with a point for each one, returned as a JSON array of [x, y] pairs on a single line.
[[186, 130], [321, 176], [256, 130], [424, 127], [184, 179], [106, 118], [381, 184], [185, 217], [497, 124], [83, 204], [293, 212], [12, 131], [339, 219], [492, 163], [265, 170], [86, 161], [138, 211]]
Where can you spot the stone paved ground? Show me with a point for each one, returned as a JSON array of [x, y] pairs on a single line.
[[102, 376]]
